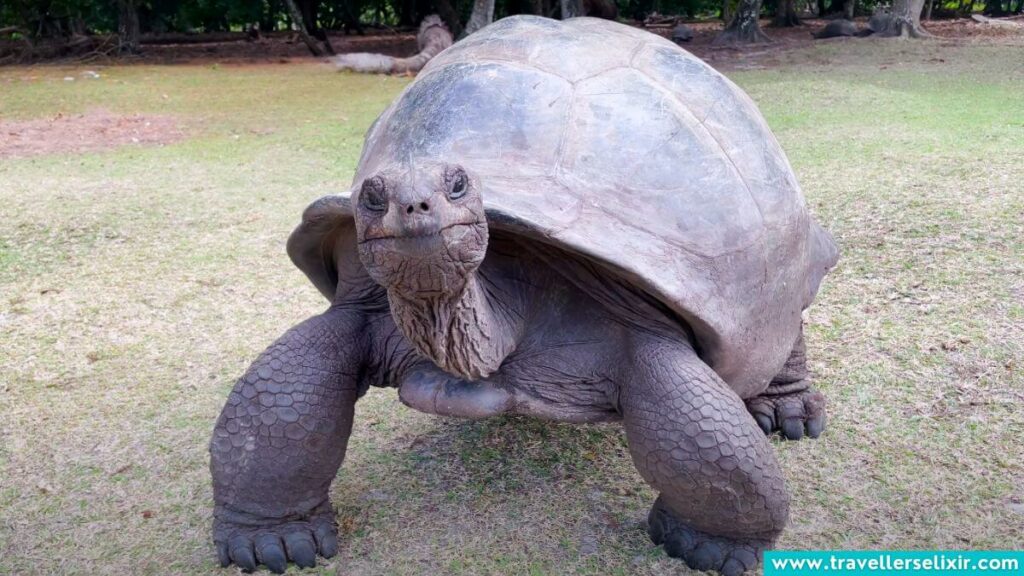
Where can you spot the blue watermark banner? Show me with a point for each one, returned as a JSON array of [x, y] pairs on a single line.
[[902, 563]]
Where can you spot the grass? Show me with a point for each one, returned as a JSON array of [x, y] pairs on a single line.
[[137, 283]]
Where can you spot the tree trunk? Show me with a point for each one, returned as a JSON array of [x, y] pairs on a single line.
[[349, 15], [727, 10], [268, 17], [451, 18], [903, 21], [300, 24], [78, 27], [992, 8], [849, 8], [928, 10], [744, 28], [571, 9], [405, 16], [606, 9], [537, 7], [308, 10], [482, 15], [310, 18], [785, 14], [127, 27]]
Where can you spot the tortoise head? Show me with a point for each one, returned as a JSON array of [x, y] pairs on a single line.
[[421, 230]]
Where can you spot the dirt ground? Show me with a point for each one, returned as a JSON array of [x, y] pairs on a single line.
[[78, 133]]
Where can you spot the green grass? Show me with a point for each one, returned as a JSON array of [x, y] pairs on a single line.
[[137, 283]]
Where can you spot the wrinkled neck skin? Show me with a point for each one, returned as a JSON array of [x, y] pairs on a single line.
[[468, 333]]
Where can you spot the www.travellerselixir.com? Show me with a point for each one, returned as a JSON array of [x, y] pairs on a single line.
[[904, 562]]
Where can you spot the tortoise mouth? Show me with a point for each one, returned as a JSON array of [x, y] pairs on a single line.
[[430, 240], [426, 261], [427, 231], [425, 236]]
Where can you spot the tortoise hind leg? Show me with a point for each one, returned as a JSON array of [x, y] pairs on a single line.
[[723, 499], [790, 404]]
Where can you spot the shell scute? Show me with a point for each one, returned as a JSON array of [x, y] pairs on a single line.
[[486, 114], [732, 120], [650, 163]]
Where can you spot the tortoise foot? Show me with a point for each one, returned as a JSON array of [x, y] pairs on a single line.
[[793, 415], [700, 550], [248, 542]]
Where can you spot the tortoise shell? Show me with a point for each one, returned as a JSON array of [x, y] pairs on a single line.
[[618, 146]]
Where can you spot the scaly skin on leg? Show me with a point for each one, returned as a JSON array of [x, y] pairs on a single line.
[[791, 405], [279, 442], [723, 498]]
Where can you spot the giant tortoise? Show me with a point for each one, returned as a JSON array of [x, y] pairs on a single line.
[[839, 28], [576, 221]]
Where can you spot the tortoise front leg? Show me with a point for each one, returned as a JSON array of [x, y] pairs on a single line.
[[723, 499], [427, 388], [279, 442]]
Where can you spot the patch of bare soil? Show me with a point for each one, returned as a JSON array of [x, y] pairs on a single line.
[[89, 132]]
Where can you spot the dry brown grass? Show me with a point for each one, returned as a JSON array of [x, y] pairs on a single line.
[[137, 283]]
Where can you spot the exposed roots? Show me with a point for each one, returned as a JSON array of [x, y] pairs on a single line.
[[739, 34], [890, 25]]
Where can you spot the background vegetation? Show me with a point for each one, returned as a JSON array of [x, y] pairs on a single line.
[[47, 18]]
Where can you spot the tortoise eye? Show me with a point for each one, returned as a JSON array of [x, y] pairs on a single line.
[[458, 183], [373, 195]]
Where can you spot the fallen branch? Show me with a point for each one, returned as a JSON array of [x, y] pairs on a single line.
[[432, 38], [997, 22]]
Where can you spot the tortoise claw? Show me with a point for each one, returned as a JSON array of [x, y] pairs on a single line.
[[796, 415]]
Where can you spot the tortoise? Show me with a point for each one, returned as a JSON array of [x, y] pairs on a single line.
[[837, 28], [682, 33], [577, 221]]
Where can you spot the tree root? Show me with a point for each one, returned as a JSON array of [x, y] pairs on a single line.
[[890, 25], [736, 35]]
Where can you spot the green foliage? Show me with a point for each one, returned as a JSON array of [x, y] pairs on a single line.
[[64, 18], [209, 15], [56, 18]]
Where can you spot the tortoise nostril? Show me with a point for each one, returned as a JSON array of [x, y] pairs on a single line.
[[422, 208]]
